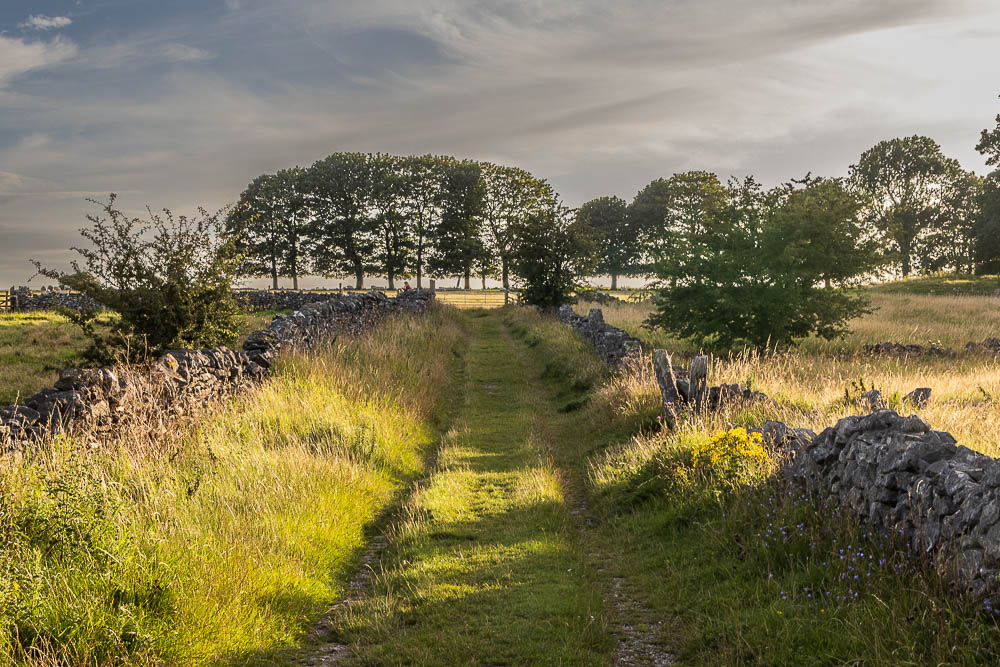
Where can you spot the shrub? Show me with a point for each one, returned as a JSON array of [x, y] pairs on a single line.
[[168, 278], [734, 456], [553, 254]]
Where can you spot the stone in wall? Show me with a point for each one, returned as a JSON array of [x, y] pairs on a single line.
[[98, 399], [687, 388], [889, 349], [914, 483], [615, 346]]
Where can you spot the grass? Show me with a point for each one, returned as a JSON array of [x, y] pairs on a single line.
[[486, 563], [750, 571], [557, 525], [224, 541], [812, 383], [35, 346]]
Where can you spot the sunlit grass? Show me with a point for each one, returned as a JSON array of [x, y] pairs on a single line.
[[227, 540], [757, 572], [811, 383]]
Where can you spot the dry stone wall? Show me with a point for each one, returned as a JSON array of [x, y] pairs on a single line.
[[615, 346], [24, 300], [913, 483], [98, 399], [904, 479]]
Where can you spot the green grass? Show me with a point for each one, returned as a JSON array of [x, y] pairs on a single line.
[[486, 565], [712, 561], [35, 346], [226, 541], [941, 285]]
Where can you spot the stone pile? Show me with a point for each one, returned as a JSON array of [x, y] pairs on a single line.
[[888, 349], [27, 301], [100, 398], [596, 296], [281, 299], [989, 346], [688, 388], [249, 299], [914, 484], [615, 346]]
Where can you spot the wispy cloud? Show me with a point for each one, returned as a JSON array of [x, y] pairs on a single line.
[[42, 22], [185, 53], [186, 105], [19, 56]]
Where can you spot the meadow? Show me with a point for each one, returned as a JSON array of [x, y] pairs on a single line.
[[533, 510], [818, 381], [225, 536]]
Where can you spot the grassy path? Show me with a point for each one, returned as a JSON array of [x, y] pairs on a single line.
[[489, 563]]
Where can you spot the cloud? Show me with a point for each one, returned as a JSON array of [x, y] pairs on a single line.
[[185, 53], [18, 56], [42, 22], [598, 97]]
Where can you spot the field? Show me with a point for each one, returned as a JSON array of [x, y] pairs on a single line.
[[810, 382], [35, 346], [475, 486]]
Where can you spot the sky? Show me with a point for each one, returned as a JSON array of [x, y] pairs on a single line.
[[179, 104]]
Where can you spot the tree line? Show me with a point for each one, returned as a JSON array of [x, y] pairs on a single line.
[[911, 206], [352, 214]]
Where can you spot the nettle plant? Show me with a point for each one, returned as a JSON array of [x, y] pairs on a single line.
[[168, 278]]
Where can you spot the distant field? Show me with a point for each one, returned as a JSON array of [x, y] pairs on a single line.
[[810, 381], [34, 347]]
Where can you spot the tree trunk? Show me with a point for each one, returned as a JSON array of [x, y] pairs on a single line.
[[359, 274], [484, 281], [295, 280], [503, 264], [614, 282], [420, 258], [904, 250], [468, 277], [392, 281], [274, 273]]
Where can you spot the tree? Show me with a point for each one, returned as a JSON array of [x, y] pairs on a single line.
[[989, 145], [268, 226], [554, 252], [684, 241], [647, 217], [390, 192], [424, 182], [902, 183], [170, 280], [988, 227], [457, 241], [755, 268], [950, 241], [509, 196], [616, 239], [338, 190]]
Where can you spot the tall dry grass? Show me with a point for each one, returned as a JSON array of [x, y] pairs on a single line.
[[222, 538], [811, 384]]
